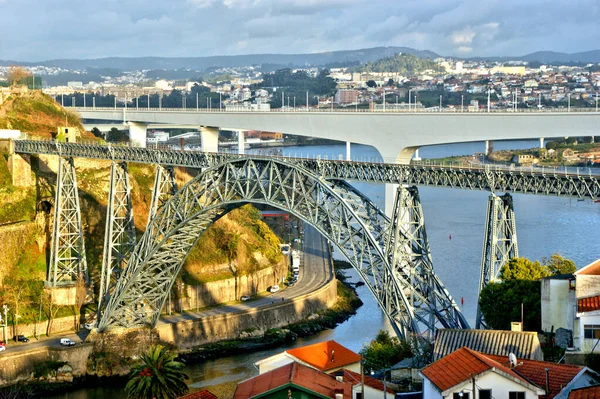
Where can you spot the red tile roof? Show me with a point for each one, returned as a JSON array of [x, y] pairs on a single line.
[[588, 304], [460, 366], [296, 374], [201, 394], [559, 375], [355, 379], [585, 393], [325, 356]]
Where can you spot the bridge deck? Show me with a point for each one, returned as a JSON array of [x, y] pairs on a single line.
[[541, 181]]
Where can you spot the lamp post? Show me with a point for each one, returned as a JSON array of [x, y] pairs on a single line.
[[383, 100], [6, 309], [148, 100], [409, 91], [569, 102], [440, 103], [462, 102]]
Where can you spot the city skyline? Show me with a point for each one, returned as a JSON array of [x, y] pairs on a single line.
[[57, 29]]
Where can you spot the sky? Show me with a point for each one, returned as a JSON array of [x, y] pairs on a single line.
[[35, 30]]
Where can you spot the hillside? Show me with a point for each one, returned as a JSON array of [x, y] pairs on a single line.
[[239, 243], [403, 63], [201, 63], [36, 113]]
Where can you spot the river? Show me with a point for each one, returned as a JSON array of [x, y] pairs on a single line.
[[545, 225]]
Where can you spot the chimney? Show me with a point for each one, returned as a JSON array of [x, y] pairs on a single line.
[[547, 380], [339, 396]]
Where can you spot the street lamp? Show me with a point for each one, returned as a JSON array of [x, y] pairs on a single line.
[[569, 102], [462, 102], [6, 309], [409, 91], [440, 103]]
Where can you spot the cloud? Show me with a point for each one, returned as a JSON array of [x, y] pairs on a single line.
[[91, 29]]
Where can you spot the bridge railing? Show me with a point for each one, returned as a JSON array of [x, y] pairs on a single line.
[[391, 110]]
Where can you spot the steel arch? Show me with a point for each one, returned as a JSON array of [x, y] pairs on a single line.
[[333, 208]]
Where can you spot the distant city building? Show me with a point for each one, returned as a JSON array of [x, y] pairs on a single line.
[[347, 96], [75, 85]]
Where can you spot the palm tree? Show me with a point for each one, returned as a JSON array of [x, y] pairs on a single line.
[[158, 377]]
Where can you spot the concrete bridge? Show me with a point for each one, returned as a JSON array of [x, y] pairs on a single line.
[[396, 135]]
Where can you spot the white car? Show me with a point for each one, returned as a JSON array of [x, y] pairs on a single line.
[[274, 288], [245, 298], [67, 342], [89, 326], [2, 348]]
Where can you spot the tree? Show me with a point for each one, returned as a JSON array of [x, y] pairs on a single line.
[[523, 269], [371, 83], [556, 265], [17, 75], [158, 377], [384, 351], [500, 304]]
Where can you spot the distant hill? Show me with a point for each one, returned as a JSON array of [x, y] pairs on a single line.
[[403, 63], [548, 57], [201, 63]]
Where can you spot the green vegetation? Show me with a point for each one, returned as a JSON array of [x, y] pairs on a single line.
[[158, 377], [47, 368], [295, 85], [405, 64], [384, 351], [500, 302]]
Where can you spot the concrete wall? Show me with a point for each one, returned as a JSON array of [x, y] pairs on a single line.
[[558, 304], [215, 292], [587, 285], [19, 366], [19, 167], [190, 333], [60, 324]]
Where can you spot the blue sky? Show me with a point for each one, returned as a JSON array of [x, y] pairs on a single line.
[[48, 29]]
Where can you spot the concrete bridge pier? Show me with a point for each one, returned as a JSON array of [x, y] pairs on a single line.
[[542, 142], [487, 148], [392, 155], [348, 156], [210, 138], [241, 142], [137, 134]]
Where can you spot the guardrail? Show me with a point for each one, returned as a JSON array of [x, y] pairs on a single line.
[[392, 110]]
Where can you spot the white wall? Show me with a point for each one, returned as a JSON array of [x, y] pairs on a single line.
[[370, 393], [499, 384], [558, 305], [586, 345]]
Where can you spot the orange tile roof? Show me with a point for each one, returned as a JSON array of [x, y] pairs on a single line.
[[460, 366], [593, 269], [588, 304], [325, 355], [297, 374], [559, 375], [585, 393], [355, 379], [201, 394]]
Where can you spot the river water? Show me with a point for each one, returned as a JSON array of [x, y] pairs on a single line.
[[545, 225]]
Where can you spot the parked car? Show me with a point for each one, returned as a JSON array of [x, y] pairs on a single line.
[[245, 298], [21, 338], [89, 326], [67, 342], [2, 348], [274, 288]]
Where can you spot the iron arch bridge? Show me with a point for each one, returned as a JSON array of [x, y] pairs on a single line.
[[391, 255]]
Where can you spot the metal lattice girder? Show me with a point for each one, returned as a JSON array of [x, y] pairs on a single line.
[[408, 252], [67, 254], [165, 187], [540, 181], [119, 235], [499, 243]]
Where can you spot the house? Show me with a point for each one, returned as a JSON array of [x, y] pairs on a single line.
[[373, 388], [326, 356], [557, 380], [524, 344], [464, 370], [558, 302], [293, 380], [524, 159], [407, 370], [201, 394]]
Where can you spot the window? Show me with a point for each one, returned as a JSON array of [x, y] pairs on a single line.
[[485, 394], [516, 395], [359, 395], [460, 395], [591, 331]]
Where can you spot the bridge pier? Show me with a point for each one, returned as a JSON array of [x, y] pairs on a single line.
[[407, 250], [499, 244], [137, 134], [487, 148], [348, 155], [119, 235], [241, 142], [210, 138], [67, 253], [542, 142]]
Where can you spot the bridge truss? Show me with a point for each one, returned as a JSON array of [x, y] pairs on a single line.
[[488, 177], [400, 283]]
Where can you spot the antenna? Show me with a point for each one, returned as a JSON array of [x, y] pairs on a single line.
[[512, 359]]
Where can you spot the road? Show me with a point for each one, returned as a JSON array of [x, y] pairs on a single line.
[[315, 271]]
